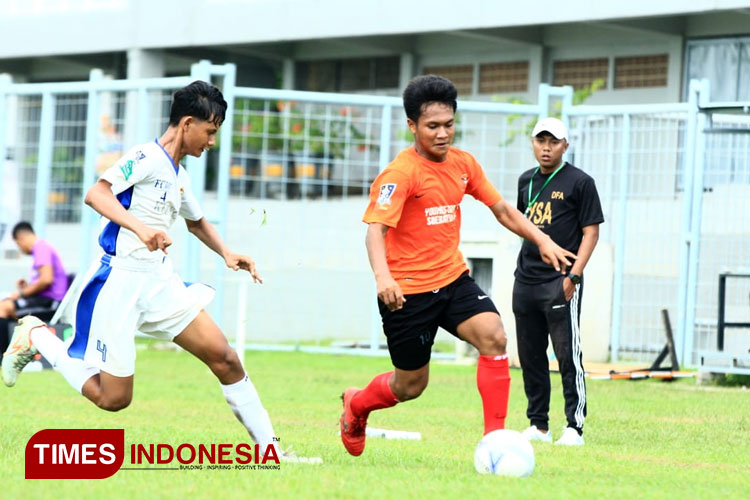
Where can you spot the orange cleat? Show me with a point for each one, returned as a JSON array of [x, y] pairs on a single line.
[[352, 426]]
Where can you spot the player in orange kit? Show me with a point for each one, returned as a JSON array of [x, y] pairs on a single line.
[[414, 221]]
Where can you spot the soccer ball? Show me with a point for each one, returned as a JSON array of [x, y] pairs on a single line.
[[504, 452]]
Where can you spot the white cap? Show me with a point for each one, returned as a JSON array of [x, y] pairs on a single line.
[[551, 125]]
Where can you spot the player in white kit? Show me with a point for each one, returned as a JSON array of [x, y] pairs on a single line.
[[135, 287]]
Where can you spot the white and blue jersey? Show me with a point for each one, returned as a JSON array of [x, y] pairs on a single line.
[[132, 288], [152, 188]]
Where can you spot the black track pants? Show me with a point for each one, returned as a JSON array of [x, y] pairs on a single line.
[[541, 311]]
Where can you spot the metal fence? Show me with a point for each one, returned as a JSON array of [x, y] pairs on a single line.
[[724, 238], [635, 159], [288, 182]]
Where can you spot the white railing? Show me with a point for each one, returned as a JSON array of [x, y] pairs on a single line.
[[289, 180]]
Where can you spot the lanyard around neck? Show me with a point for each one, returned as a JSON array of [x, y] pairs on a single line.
[[531, 187]]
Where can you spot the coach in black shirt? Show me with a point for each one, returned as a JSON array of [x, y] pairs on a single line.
[[562, 201]]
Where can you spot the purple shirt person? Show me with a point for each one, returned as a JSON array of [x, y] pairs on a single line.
[[45, 255], [48, 282]]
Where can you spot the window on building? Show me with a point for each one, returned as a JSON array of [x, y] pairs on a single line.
[[504, 77], [387, 72], [461, 76], [725, 62], [355, 75], [347, 75], [580, 73], [318, 76], [641, 71]]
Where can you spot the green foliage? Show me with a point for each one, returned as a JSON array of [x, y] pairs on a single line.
[[644, 439], [284, 125], [66, 168], [733, 380], [579, 97]]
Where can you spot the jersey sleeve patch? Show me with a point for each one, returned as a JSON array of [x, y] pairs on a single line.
[[127, 169], [386, 192]]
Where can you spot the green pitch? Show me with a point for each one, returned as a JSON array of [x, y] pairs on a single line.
[[645, 439]]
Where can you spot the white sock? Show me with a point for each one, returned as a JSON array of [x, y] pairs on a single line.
[[47, 343], [245, 403], [76, 371]]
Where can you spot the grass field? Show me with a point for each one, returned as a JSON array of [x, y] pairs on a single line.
[[645, 439]]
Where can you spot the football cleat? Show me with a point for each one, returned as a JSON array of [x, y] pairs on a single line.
[[352, 427], [20, 352]]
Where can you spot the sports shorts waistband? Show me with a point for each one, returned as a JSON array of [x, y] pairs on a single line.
[[131, 264]]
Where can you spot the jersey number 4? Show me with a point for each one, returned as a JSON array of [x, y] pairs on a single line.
[[102, 348]]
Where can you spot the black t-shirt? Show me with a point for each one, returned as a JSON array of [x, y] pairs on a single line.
[[568, 203]]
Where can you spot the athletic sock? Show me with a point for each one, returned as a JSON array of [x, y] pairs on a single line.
[[47, 343], [493, 382], [376, 396], [244, 401], [76, 371]]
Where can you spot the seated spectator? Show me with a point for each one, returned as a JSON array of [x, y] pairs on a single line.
[[48, 284]]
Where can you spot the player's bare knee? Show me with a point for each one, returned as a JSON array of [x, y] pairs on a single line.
[[225, 362], [115, 403], [500, 341], [231, 360], [493, 344]]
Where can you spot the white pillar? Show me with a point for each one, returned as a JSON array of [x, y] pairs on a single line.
[[536, 70], [141, 64], [145, 64], [406, 70], [287, 74]]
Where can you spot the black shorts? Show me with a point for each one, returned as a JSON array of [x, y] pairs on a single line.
[[34, 305], [411, 330]]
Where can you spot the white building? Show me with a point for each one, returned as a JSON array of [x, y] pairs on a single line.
[[319, 286], [644, 51]]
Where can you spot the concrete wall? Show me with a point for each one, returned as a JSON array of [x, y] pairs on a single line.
[[48, 41], [117, 25]]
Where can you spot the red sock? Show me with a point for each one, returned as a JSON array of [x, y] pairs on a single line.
[[493, 381], [375, 396]]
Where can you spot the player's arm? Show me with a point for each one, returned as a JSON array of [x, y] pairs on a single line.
[[46, 276], [590, 239], [388, 290], [512, 219], [206, 232], [100, 198]]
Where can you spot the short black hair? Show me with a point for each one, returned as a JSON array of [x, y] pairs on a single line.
[[427, 89], [20, 227], [200, 100]]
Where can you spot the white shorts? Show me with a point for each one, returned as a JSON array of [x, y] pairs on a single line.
[[125, 295]]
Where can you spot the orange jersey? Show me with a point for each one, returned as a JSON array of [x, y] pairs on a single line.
[[418, 200]]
